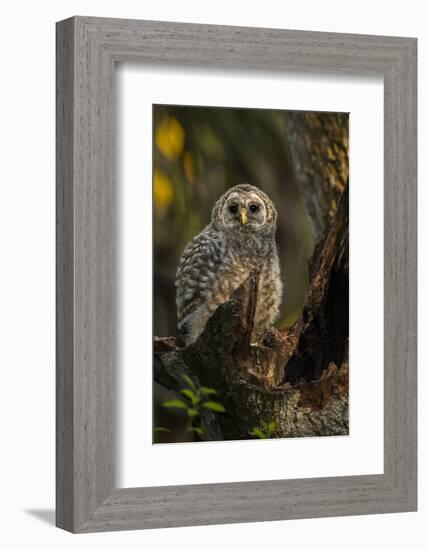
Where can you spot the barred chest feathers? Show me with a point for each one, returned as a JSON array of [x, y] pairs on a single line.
[[239, 240]]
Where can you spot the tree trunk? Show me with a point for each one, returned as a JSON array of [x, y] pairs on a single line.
[[319, 146], [299, 377]]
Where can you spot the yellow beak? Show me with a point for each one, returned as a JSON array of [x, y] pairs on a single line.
[[244, 218]]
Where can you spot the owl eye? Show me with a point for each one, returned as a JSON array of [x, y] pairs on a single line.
[[254, 207], [233, 208]]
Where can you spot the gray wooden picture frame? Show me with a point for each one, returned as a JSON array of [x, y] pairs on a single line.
[[87, 51]]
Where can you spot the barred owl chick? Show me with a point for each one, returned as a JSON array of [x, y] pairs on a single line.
[[239, 240]]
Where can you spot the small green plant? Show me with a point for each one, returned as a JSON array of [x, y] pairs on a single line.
[[195, 400], [265, 430], [160, 429]]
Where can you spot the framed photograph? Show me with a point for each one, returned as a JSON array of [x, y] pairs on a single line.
[[236, 274]]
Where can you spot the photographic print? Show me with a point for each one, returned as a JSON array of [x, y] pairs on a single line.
[[251, 274]]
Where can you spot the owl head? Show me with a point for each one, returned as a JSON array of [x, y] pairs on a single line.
[[244, 209]]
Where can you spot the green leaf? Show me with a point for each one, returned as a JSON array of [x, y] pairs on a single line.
[[175, 404], [189, 381], [208, 391], [258, 433], [213, 406], [192, 413], [271, 427], [196, 430], [160, 429], [190, 395]]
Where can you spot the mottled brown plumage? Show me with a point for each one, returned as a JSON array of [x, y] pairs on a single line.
[[239, 240]]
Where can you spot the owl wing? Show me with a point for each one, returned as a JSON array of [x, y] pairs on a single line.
[[196, 275]]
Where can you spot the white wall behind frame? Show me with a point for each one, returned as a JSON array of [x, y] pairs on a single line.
[[27, 313]]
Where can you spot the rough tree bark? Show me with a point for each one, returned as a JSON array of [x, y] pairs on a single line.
[[299, 376], [319, 146]]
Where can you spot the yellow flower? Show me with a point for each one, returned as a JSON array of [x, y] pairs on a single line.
[[163, 192], [169, 137]]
